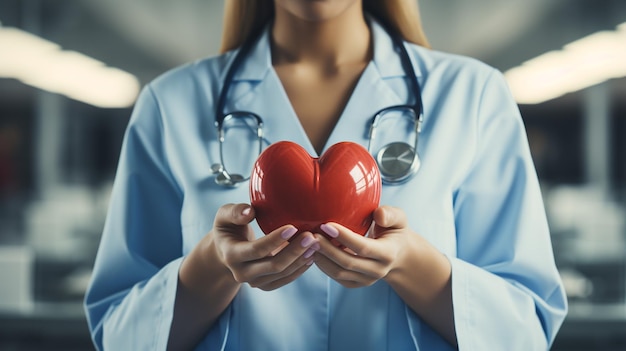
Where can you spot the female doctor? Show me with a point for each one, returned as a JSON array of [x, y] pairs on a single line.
[[460, 253]]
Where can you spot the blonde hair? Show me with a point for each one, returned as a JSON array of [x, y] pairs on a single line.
[[243, 17]]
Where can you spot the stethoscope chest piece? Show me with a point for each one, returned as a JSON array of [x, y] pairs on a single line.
[[397, 162], [224, 178], [232, 181]]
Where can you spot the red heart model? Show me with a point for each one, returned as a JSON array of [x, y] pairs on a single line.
[[288, 186]]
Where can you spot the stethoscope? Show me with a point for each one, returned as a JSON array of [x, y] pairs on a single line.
[[397, 161]]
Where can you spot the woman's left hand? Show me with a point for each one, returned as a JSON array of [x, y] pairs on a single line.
[[419, 273], [362, 261]]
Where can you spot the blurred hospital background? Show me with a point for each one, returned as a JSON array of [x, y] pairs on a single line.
[[71, 69]]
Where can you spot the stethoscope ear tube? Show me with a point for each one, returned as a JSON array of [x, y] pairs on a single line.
[[230, 73]]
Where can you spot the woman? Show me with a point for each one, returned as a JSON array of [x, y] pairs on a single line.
[[459, 256]]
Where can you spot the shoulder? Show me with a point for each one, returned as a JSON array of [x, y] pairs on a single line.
[[463, 78], [181, 93], [186, 80], [438, 63]]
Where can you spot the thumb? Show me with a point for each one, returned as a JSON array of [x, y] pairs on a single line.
[[390, 217], [234, 214]]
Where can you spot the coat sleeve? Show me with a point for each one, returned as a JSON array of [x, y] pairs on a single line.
[[130, 299], [507, 292]]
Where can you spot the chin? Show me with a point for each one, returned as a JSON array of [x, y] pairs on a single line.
[[317, 10]]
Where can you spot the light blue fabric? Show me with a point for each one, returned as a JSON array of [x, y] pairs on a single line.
[[476, 198]]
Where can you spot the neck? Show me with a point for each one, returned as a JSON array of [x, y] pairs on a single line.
[[329, 42]]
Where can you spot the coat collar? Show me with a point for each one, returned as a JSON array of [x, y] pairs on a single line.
[[386, 58]]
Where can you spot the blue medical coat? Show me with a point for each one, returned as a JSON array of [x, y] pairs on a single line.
[[476, 198]]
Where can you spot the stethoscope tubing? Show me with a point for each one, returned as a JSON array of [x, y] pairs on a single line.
[[226, 179]]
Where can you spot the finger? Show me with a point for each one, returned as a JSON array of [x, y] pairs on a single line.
[[295, 266], [303, 248], [275, 284], [266, 245], [362, 246], [347, 278], [233, 214], [347, 261], [280, 248], [390, 217]]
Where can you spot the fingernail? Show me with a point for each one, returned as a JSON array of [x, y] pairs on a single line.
[[288, 233], [307, 241], [316, 246], [309, 253], [309, 262], [246, 211], [330, 230]]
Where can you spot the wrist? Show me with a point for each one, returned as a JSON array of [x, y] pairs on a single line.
[[420, 267], [408, 260], [205, 289], [202, 271]]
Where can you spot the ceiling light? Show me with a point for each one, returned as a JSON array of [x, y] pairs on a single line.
[[586, 62], [43, 64]]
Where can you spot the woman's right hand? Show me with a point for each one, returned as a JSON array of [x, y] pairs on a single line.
[[210, 276], [267, 263]]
